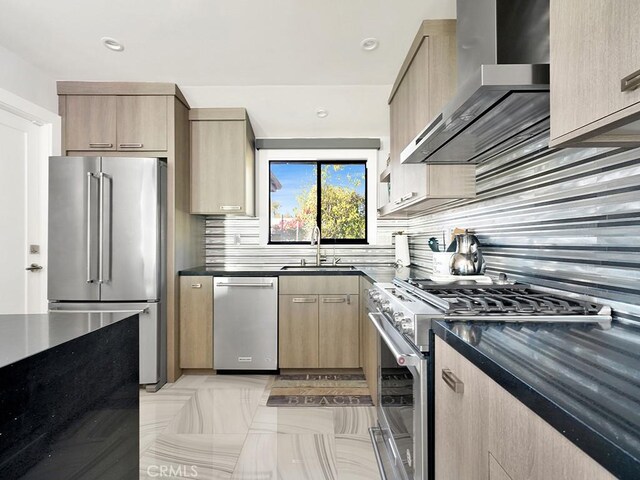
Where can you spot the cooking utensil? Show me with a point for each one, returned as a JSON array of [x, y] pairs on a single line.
[[433, 244]]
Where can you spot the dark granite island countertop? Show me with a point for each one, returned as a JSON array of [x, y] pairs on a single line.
[[69, 403], [583, 381]]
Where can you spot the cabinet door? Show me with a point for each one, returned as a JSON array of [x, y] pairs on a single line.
[[369, 343], [594, 46], [142, 123], [460, 427], [298, 331], [196, 322], [90, 122], [218, 161], [339, 342]]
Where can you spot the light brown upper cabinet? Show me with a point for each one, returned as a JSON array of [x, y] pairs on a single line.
[[222, 162], [116, 122], [142, 123], [426, 81], [595, 73], [90, 122]]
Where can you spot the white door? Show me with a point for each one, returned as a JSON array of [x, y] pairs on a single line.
[[22, 215]]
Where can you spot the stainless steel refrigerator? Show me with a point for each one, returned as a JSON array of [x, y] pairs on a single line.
[[107, 245]]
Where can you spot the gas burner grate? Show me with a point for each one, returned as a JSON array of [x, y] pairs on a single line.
[[516, 300]]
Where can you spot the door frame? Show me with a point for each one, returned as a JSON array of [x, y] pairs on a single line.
[[50, 143]]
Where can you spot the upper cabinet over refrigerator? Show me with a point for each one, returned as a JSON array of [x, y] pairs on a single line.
[[595, 73]]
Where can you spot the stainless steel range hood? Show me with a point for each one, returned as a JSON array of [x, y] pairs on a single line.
[[503, 93]]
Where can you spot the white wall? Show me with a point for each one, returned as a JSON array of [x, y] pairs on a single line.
[[25, 80], [290, 111]]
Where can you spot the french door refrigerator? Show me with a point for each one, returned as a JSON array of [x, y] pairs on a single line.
[[107, 245]]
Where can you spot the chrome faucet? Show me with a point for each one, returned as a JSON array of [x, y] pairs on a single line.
[[315, 240]]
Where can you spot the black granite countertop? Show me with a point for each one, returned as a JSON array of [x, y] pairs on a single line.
[[582, 380], [374, 273], [22, 336]]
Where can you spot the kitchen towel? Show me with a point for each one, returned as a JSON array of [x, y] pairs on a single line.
[[402, 250]]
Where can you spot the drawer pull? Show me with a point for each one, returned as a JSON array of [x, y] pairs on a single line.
[[334, 300], [304, 300], [130, 145], [630, 82], [100, 145], [452, 381], [230, 207], [196, 285]]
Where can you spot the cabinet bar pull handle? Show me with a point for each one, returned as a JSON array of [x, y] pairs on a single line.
[[196, 285], [249, 285], [304, 300], [100, 145], [334, 300], [630, 82], [452, 381], [130, 145], [230, 207]]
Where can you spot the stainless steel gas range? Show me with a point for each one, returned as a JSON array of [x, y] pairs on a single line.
[[402, 313]]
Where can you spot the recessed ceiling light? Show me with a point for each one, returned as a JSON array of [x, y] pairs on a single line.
[[112, 44], [322, 113], [369, 44]]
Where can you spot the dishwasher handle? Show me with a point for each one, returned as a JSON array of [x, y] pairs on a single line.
[[245, 285]]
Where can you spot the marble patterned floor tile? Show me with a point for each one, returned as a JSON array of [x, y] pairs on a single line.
[[157, 410], [355, 459], [217, 411], [292, 420], [204, 457], [257, 382], [354, 420], [267, 390], [287, 457]]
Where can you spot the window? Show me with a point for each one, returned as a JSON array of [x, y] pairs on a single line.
[[329, 194]]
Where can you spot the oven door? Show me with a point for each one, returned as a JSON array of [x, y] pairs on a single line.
[[402, 400]]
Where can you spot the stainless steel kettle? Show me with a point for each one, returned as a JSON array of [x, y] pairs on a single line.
[[468, 259]]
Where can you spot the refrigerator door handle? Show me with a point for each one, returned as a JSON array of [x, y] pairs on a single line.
[[101, 230], [90, 176]]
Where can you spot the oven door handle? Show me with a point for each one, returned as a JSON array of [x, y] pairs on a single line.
[[403, 359]]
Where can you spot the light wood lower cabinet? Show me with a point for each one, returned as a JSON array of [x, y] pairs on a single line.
[[319, 321], [196, 322], [338, 332], [298, 331], [369, 342], [483, 432]]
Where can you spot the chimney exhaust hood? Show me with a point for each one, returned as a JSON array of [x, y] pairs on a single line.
[[503, 84]]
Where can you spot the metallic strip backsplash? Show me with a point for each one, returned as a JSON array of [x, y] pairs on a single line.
[[563, 219], [221, 235]]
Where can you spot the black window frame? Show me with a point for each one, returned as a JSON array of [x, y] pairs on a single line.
[[330, 241]]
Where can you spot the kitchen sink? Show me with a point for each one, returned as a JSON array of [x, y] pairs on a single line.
[[321, 268]]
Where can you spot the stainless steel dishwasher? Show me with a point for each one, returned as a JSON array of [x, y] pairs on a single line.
[[245, 323]]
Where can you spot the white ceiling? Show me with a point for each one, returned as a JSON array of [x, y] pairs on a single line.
[[217, 42]]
